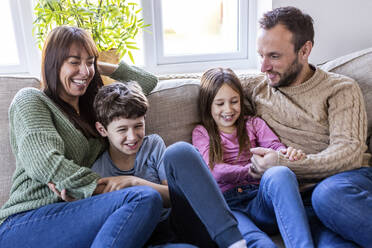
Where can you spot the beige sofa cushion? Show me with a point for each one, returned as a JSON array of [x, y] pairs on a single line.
[[358, 66], [173, 111], [9, 86]]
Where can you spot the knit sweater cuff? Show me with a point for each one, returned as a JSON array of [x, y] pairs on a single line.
[[126, 73]]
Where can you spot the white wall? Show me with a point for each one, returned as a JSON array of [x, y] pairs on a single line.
[[341, 26]]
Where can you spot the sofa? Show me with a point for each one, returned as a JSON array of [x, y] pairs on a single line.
[[173, 106]]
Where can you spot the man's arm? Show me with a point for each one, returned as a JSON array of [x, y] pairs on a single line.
[[347, 135]]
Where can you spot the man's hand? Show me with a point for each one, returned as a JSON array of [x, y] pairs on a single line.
[[62, 194], [118, 182], [262, 159]]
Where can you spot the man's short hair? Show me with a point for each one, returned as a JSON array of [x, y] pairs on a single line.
[[297, 22], [119, 100]]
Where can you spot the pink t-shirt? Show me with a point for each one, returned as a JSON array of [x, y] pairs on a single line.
[[235, 171]]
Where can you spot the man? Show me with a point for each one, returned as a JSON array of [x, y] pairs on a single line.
[[322, 114]]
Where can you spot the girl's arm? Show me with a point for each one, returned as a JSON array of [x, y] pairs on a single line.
[[267, 138], [222, 172]]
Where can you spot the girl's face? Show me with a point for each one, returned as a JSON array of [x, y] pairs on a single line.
[[226, 108], [76, 73]]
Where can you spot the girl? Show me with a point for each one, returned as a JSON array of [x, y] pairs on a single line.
[[224, 139]]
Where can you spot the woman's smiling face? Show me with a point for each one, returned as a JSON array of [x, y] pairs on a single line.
[[76, 73]]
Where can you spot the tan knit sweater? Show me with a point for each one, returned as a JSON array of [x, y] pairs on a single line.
[[324, 116]]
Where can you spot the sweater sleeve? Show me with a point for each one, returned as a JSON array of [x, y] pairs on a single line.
[[40, 149], [126, 73], [222, 172], [347, 134]]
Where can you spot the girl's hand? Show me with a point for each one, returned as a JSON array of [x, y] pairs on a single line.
[[118, 182], [293, 154]]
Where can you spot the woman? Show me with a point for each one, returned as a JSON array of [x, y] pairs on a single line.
[[54, 142]]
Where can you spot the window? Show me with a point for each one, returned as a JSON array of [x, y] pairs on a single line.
[[193, 35], [185, 36], [17, 46]]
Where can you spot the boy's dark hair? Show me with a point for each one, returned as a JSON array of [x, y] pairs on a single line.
[[297, 22], [119, 100]]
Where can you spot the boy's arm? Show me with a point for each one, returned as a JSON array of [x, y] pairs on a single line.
[[121, 182]]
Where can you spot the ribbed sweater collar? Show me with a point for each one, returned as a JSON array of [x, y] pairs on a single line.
[[317, 78]]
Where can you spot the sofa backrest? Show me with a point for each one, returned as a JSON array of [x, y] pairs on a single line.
[[9, 86], [357, 65], [173, 111]]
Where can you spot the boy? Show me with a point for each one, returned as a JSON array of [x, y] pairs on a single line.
[[132, 158], [135, 159]]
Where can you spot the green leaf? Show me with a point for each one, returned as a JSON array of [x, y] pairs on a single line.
[[131, 56], [112, 23]]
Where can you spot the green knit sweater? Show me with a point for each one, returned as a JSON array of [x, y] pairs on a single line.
[[48, 148], [126, 73]]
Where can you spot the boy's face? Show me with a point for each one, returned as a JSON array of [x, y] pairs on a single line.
[[125, 135]]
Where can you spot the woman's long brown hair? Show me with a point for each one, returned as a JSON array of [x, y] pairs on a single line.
[[55, 52], [211, 81]]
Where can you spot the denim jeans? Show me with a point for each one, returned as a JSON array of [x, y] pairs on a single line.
[[322, 236], [123, 218], [200, 215], [274, 204], [343, 202]]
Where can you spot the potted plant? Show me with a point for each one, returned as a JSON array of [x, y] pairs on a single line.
[[113, 24]]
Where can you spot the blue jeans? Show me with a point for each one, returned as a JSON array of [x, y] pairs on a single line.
[[343, 202], [200, 215], [274, 204], [123, 218]]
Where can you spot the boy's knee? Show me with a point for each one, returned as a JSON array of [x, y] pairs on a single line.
[[177, 153], [149, 194], [178, 149]]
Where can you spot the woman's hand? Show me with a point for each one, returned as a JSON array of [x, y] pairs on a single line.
[[293, 154], [63, 194]]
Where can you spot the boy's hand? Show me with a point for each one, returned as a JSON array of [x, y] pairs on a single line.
[[62, 194], [118, 182], [293, 154]]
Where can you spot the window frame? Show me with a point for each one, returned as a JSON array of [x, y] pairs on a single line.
[[245, 58], [28, 54]]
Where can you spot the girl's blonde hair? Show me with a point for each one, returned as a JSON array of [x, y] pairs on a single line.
[[211, 81]]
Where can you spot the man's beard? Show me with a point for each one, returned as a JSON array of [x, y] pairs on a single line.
[[289, 76]]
